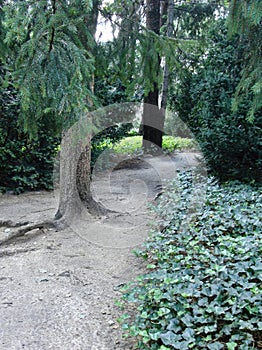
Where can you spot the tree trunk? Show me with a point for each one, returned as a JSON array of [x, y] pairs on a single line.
[[152, 124], [163, 12], [73, 171], [74, 177], [170, 19], [75, 155]]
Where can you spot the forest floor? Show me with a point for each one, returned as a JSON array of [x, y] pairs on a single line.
[[58, 289]]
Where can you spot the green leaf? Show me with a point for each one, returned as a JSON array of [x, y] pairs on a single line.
[[170, 338], [151, 266], [188, 334], [231, 345], [215, 346]]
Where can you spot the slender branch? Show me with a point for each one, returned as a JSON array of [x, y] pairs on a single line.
[[145, 29], [188, 10]]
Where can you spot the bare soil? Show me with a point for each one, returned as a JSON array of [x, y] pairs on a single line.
[[58, 289]]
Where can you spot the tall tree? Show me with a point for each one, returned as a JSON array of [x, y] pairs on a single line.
[[172, 30], [152, 120], [75, 162], [52, 44]]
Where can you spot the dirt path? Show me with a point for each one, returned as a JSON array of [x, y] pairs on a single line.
[[58, 289]]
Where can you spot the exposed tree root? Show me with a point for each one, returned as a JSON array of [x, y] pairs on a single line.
[[16, 251], [10, 223], [21, 229], [97, 209]]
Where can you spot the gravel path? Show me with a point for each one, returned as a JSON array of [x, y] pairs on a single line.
[[58, 289]]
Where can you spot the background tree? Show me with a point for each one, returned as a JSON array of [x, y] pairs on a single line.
[[150, 44], [152, 123], [181, 26], [203, 99], [246, 20]]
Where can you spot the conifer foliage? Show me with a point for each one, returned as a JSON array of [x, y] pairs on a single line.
[[246, 20], [52, 66]]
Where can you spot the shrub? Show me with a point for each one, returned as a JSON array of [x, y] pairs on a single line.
[[107, 138], [205, 285], [24, 164], [27, 165], [133, 144], [230, 142], [171, 144]]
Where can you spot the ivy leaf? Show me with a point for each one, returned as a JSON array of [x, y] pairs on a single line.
[[187, 320], [188, 334], [170, 338], [215, 346], [174, 325], [231, 345], [163, 311]]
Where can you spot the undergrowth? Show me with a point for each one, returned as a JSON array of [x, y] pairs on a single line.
[[204, 283], [133, 144]]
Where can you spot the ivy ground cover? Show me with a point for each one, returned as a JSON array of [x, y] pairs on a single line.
[[204, 284]]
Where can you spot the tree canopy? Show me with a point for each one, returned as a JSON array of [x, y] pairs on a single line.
[[53, 71], [51, 59], [246, 20]]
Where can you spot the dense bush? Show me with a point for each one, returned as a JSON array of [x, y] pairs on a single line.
[[230, 142], [205, 288], [24, 164]]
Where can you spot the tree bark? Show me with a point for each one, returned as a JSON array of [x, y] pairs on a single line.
[[75, 157], [70, 204], [152, 124], [163, 12]]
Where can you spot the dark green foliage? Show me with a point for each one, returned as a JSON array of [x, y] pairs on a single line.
[[230, 142], [47, 70], [51, 63], [111, 86], [192, 18], [24, 164], [205, 288], [246, 20]]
